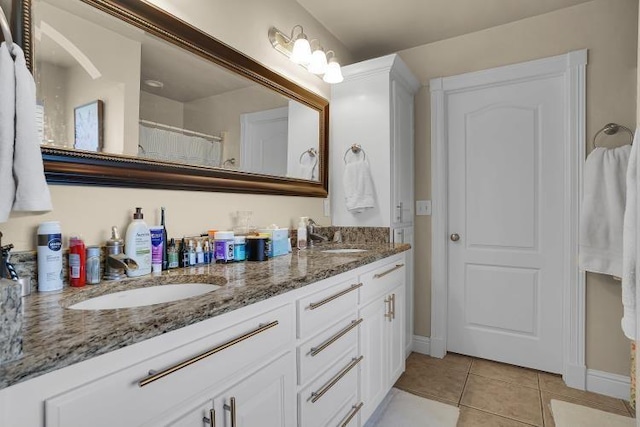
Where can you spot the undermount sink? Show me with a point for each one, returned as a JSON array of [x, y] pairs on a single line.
[[145, 296], [344, 251]]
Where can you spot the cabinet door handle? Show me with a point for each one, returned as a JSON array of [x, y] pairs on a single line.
[[315, 305], [212, 418], [316, 395], [387, 309], [393, 306], [353, 413], [391, 270], [399, 213], [155, 376], [336, 337], [231, 407]]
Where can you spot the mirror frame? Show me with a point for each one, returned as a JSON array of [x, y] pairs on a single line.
[[67, 166]]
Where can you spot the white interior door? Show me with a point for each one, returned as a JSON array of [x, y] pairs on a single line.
[[264, 141], [505, 219]]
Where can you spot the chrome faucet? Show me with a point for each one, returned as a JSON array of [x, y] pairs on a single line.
[[312, 235], [117, 265]]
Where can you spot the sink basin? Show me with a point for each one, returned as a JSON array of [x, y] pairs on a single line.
[[145, 296], [344, 251]]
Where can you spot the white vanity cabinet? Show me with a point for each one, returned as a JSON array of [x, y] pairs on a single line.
[[319, 356], [374, 107], [382, 332]]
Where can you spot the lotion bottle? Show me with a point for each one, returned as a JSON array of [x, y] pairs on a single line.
[[302, 232], [137, 245]]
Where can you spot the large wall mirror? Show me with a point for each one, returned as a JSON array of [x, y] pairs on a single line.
[[129, 95]]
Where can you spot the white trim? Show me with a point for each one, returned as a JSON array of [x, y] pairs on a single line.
[[613, 385], [573, 66], [421, 345]]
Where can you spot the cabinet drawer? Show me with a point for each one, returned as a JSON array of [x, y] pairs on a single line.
[[324, 397], [133, 395], [315, 355], [382, 279], [348, 415], [317, 311]]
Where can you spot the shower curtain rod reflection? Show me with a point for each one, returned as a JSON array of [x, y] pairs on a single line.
[[183, 131]]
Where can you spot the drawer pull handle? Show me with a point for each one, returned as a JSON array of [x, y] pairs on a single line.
[[161, 374], [393, 306], [231, 407], [315, 305], [354, 412], [316, 395], [388, 314], [212, 418], [391, 270], [336, 337]]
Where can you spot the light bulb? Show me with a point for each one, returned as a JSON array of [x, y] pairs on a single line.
[[301, 53], [318, 64], [334, 73]]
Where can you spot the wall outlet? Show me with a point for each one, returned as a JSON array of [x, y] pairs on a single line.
[[423, 207], [327, 207]]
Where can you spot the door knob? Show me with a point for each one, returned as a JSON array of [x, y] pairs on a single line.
[[455, 237]]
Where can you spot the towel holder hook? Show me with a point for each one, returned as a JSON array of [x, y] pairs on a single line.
[[6, 30], [355, 149], [611, 129]]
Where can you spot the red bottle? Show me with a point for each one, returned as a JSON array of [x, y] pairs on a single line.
[[77, 262]]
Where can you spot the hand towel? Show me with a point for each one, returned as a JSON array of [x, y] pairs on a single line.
[[358, 186], [32, 192], [630, 243], [308, 170], [602, 210], [7, 131]]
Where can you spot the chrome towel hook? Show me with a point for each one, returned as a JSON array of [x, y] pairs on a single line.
[[611, 129], [355, 149]]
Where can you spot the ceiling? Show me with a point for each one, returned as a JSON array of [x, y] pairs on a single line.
[[371, 28]]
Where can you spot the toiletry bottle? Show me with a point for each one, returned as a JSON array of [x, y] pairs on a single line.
[[172, 255], [49, 256], [199, 254], [192, 254], [137, 245], [157, 247], [165, 249], [183, 256], [77, 262], [302, 232], [206, 256]]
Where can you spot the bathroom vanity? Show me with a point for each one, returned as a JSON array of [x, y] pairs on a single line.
[[309, 339]]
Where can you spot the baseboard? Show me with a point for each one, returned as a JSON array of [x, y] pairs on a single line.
[[437, 347], [575, 376], [613, 385], [422, 345]]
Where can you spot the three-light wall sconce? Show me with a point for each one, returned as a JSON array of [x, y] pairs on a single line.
[[309, 54]]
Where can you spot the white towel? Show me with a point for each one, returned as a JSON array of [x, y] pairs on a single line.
[[32, 192], [629, 242], [308, 170], [358, 186], [602, 210], [7, 131]]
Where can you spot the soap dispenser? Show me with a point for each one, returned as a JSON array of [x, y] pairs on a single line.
[[302, 232], [138, 245]]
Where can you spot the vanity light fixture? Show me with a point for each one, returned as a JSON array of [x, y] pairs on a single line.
[[298, 49]]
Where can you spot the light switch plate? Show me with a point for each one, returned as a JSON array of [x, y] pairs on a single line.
[[327, 207], [423, 207]]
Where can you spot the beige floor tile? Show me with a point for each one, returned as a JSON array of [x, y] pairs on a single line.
[[504, 399], [546, 406], [630, 409], [470, 417], [438, 379], [501, 371], [554, 384]]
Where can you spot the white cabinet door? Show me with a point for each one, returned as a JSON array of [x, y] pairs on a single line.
[[198, 414], [375, 348], [402, 154], [396, 335], [406, 235], [265, 399]]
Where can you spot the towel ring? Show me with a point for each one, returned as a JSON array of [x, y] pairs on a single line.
[[611, 129], [313, 153], [355, 149]]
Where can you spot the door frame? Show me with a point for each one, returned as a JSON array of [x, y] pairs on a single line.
[[572, 66]]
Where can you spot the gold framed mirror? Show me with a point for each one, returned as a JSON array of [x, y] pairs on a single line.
[[239, 157]]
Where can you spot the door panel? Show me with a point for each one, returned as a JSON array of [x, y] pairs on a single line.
[[506, 203]]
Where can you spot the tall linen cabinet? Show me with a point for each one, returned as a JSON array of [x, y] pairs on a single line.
[[374, 108]]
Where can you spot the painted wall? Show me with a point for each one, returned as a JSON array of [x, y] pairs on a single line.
[[161, 110], [52, 95], [608, 28], [92, 210]]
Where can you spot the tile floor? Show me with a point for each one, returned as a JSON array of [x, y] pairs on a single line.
[[494, 394]]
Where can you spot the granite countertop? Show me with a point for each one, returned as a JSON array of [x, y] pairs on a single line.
[[56, 337]]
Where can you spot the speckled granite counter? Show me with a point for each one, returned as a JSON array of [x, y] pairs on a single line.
[[55, 337]]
